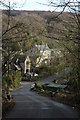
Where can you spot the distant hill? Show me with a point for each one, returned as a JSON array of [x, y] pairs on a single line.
[[44, 25]]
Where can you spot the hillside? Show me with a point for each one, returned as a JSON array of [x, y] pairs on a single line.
[[43, 25]]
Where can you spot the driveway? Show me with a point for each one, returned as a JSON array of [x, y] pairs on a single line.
[[31, 105]]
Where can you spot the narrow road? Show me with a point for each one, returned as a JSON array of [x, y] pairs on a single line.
[[31, 105]]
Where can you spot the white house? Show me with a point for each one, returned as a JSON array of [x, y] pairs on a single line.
[[45, 54], [22, 63], [27, 63], [38, 54]]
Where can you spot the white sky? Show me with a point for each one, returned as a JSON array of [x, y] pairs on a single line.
[[34, 4]]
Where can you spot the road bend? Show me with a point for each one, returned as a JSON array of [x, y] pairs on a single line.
[[31, 105]]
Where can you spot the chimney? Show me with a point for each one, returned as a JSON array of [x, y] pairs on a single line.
[[46, 44]]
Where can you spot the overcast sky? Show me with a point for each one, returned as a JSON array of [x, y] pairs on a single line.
[[34, 4]]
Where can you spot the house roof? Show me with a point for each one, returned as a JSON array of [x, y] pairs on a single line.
[[43, 47], [22, 58], [32, 52]]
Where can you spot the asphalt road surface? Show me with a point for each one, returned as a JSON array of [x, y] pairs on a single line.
[[31, 105]]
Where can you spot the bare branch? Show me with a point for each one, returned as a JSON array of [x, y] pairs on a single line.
[[9, 29], [2, 3]]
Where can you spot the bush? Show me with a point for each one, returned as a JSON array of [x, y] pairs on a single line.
[[72, 84], [44, 70], [44, 67], [13, 81], [15, 78]]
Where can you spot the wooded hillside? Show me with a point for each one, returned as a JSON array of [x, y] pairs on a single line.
[[40, 25]]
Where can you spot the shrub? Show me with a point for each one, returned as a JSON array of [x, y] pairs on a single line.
[[13, 81], [44, 70], [15, 78]]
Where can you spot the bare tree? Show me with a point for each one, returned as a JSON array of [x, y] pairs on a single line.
[[8, 42], [73, 8]]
